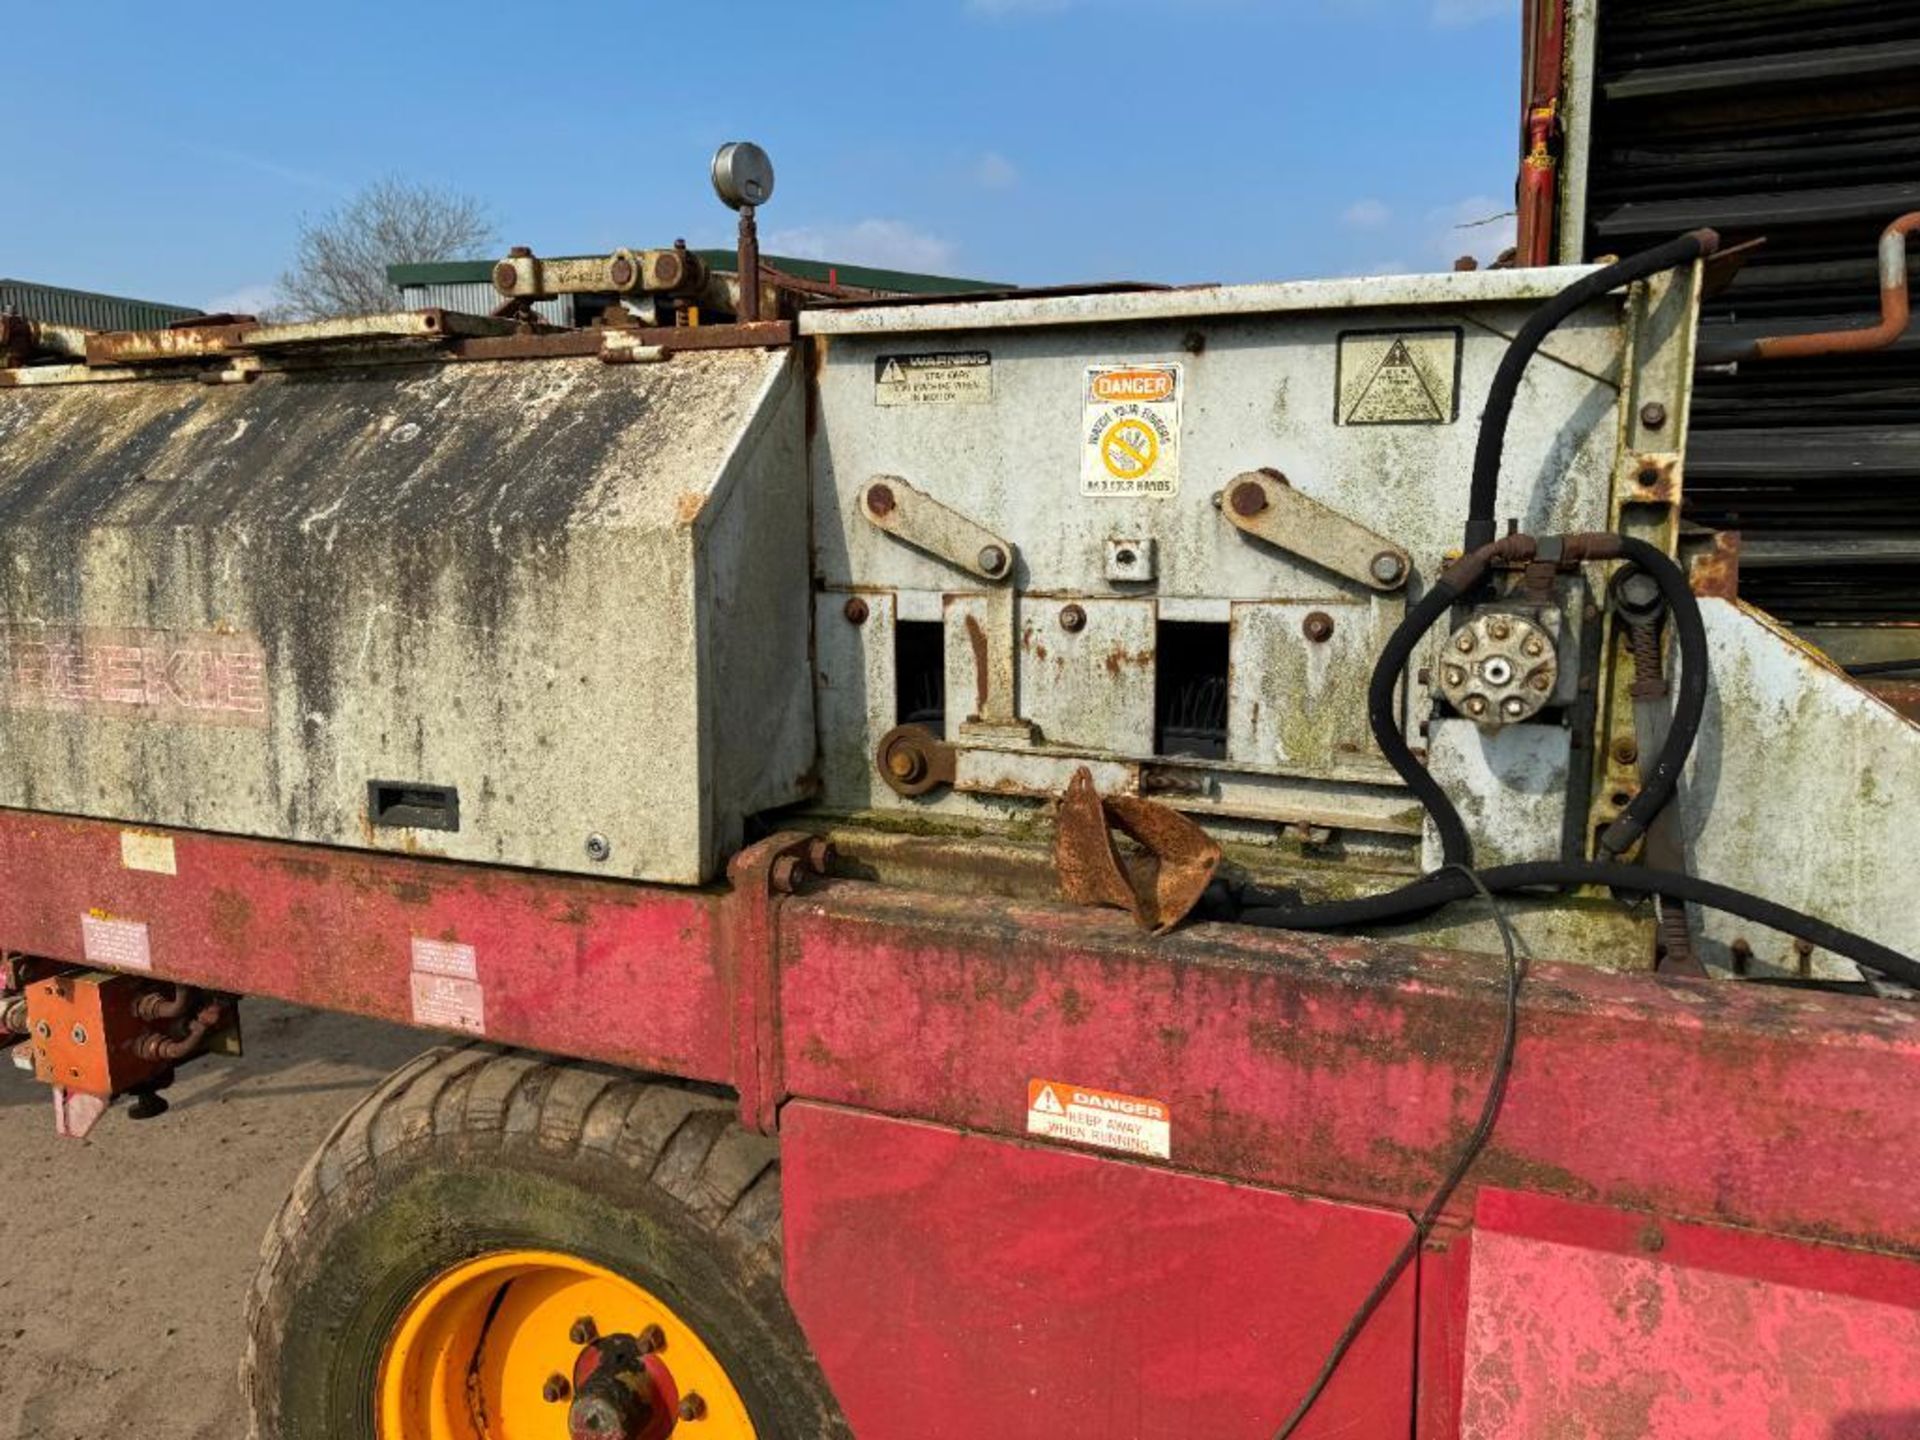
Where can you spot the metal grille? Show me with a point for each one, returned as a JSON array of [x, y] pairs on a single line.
[[1798, 120]]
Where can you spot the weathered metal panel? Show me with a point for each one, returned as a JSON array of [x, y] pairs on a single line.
[[1265, 382], [563, 588], [1801, 788], [1592, 1324], [1354, 1069], [955, 1286]]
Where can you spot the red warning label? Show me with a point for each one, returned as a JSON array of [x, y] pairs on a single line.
[[1100, 1118]]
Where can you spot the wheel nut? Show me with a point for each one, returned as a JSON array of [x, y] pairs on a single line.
[[584, 1331], [555, 1390], [1317, 627], [1073, 619], [692, 1407], [1476, 705], [1499, 629], [651, 1339]]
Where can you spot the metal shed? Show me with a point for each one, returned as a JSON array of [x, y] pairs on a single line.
[[57, 305]]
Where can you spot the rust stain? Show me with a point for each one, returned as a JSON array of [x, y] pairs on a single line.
[[977, 638]]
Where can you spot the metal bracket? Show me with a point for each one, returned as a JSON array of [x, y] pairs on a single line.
[[760, 875], [912, 515], [1261, 503]]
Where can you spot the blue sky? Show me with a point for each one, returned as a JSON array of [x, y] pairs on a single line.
[[169, 151]]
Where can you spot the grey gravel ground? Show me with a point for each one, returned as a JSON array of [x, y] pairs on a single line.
[[125, 1258]]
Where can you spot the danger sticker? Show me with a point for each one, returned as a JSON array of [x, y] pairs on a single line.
[[446, 1002], [1131, 440], [116, 944], [1399, 377], [953, 377], [1099, 1118]]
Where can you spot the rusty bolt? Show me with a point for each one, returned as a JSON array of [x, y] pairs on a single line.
[[855, 610], [555, 1390], [1248, 498], [1742, 950], [1625, 750], [692, 1407], [880, 499], [1388, 567], [820, 853], [598, 847], [520, 252], [584, 1331], [1653, 415], [620, 272], [905, 763], [504, 276], [1317, 627], [652, 1339], [991, 559], [1499, 629], [1073, 619], [784, 876]]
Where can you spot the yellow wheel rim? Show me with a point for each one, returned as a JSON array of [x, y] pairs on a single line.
[[473, 1352]]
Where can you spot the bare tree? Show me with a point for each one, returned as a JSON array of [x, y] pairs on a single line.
[[340, 260]]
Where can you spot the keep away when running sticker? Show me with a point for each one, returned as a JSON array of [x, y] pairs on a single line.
[[1100, 1118]]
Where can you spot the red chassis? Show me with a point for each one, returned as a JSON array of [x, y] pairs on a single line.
[[1697, 1215]]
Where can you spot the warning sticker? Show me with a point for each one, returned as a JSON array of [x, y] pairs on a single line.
[[116, 944], [1131, 437], [1399, 377], [446, 1002], [141, 851], [953, 377], [445, 957], [1099, 1118]]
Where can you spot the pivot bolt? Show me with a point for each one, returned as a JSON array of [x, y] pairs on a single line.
[[880, 499], [1248, 498], [1653, 415], [555, 1390], [855, 611], [992, 559], [584, 1331], [1073, 619], [1317, 627], [1389, 567]]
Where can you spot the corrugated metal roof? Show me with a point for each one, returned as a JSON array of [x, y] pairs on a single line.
[[472, 297], [57, 305], [865, 277]]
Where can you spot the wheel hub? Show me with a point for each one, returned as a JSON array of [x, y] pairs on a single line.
[[622, 1391]]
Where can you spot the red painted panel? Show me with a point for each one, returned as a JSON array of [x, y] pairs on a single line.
[[956, 1286], [580, 967], [1591, 1324], [1353, 1069]]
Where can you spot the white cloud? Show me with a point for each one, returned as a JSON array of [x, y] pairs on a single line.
[[993, 171], [1366, 215], [1451, 14], [1478, 225], [246, 300], [890, 244]]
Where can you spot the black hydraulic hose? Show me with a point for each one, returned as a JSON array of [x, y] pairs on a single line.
[[1444, 887], [1484, 497], [1688, 706], [1455, 846]]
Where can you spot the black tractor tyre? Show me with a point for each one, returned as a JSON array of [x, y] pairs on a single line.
[[475, 1149]]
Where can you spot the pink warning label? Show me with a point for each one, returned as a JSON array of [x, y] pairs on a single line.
[[447, 1002], [445, 957], [183, 677], [116, 944]]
